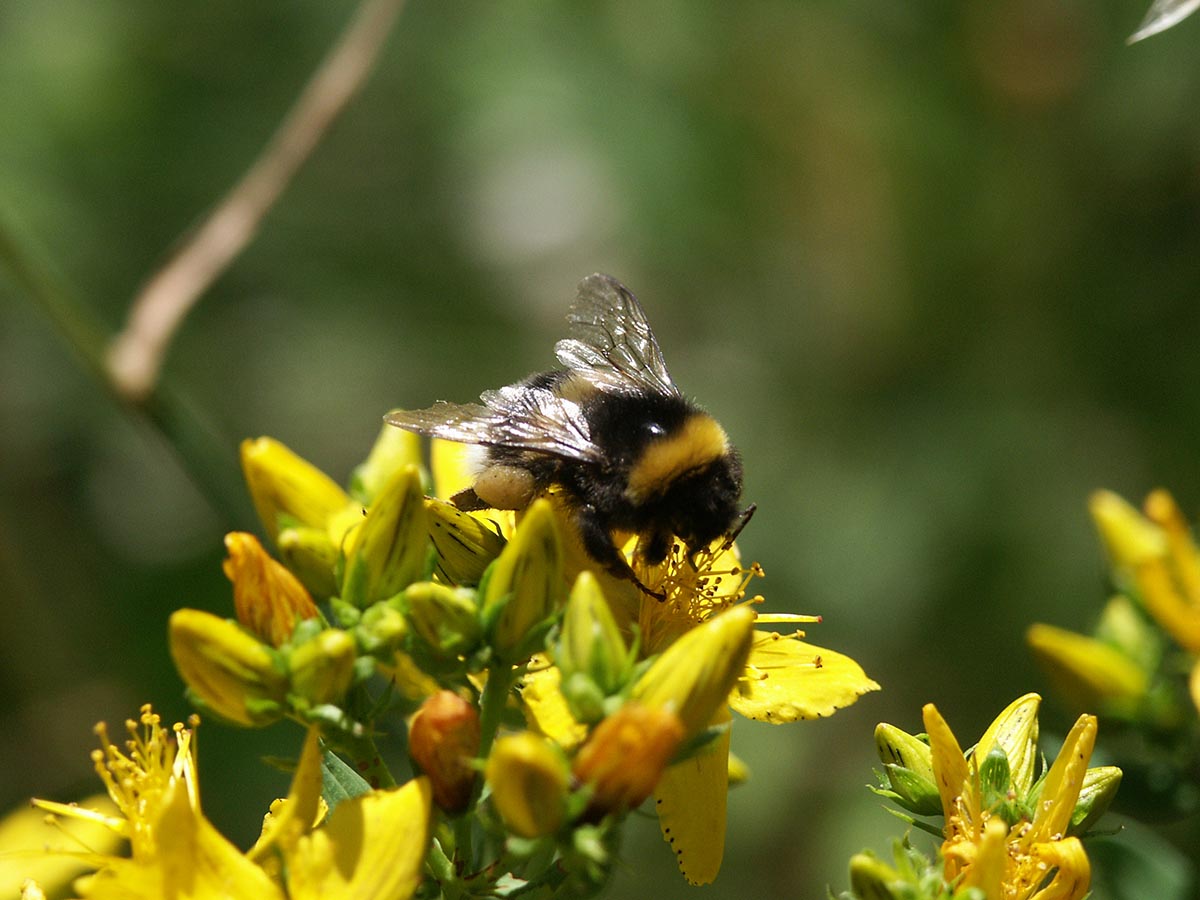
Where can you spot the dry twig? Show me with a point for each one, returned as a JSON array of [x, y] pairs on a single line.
[[136, 353]]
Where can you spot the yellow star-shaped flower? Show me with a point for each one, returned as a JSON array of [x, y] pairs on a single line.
[[372, 846]]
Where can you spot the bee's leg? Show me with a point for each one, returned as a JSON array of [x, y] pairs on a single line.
[[468, 501], [655, 546], [598, 542]]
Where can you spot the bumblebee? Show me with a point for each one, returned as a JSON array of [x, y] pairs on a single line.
[[610, 433]]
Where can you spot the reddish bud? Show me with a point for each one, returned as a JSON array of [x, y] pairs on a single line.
[[443, 741]]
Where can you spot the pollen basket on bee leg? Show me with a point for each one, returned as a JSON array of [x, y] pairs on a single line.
[[505, 487]]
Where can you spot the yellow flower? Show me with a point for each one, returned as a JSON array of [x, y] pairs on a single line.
[[42, 851], [1157, 553], [1006, 834], [372, 847], [783, 679]]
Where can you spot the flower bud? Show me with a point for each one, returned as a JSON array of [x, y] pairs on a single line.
[[390, 550], [1131, 539], [1124, 627], [230, 672], [446, 618], [591, 644], [393, 450], [528, 776], [322, 668], [270, 601], [1099, 788], [311, 554], [466, 544], [694, 675], [873, 879], [524, 586], [381, 630], [1089, 673], [625, 756], [286, 489], [1015, 732], [897, 747], [443, 740], [908, 764], [995, 777]]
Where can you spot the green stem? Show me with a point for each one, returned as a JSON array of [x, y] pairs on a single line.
[[492, 703], [209, 458]]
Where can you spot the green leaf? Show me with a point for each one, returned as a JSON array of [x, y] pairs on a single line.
[[338, 781]]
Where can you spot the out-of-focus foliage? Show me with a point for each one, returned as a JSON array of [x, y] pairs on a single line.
[[932, 266]]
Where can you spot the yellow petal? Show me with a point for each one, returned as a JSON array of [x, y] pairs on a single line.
[[286, 487], [986, 871], [695, 675], [1131, 538], [690, 798], [393, 449], [787, 679], [949, 764], [298, 814], [1194, 685], [545, 708], [52, 858], [269, 599], [466, 543], [1063, 782], [1015, 731], [372, 848], [454, 468], [1169, 607], [1162, 509], [1074, 873], [1086, 670], [194, 860]]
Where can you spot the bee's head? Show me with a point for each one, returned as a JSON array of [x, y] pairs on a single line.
[[705, 504]]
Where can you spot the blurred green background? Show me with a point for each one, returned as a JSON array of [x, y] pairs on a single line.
[[934, 266]]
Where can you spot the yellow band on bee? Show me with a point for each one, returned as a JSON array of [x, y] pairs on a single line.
[[696, 444]]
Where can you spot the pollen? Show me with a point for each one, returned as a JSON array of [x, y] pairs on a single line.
[[695, 587], [139, 776]]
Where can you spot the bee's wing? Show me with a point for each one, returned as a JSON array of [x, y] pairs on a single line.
[[612, 344], [516, 416]]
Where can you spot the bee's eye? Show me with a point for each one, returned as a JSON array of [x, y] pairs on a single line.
[[653, 429]]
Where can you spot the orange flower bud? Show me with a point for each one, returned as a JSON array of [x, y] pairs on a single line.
[[626, 755], [270, 600], [443, 740]]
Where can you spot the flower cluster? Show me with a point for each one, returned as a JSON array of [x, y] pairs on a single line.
[[1140, 667], [538, 698], [1010, 826]]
